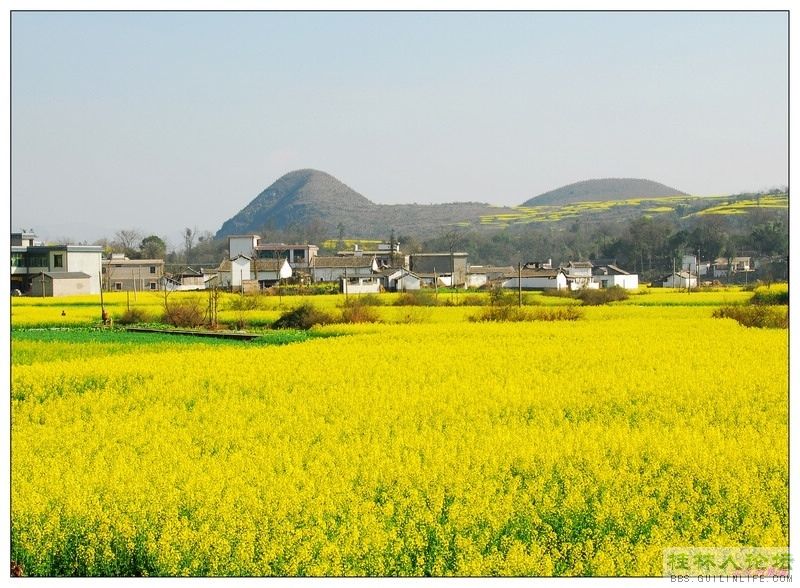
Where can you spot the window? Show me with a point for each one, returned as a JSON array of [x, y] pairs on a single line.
[[17, 260], [37, 260], [58, 260], [153, 285], [117, 285], [152, 271]]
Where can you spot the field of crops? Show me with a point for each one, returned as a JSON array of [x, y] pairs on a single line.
[[433, 446]]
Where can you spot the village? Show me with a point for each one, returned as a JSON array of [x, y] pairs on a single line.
[[252, 265]]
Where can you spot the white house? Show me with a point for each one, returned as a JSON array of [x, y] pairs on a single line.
[[608, 276], [333, 269], [579, 275], [537, 279], [29, 260], [679, 280], [400, 280], [234, 272], [361, 285]]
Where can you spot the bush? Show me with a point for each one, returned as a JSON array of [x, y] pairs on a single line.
[[474, 300], [517, 314], [302, 317], [765, 296], [133, 315], [602, 296], [557, 293], [366, 300], [759, 316], [360, 313], [416, 298], [245, 302], [186, 313]]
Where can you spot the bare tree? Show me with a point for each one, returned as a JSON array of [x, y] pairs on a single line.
[[128, 240], [189, 236]]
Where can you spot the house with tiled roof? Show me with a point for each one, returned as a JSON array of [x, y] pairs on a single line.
[[610, 275], [536, 279], [333, 269]]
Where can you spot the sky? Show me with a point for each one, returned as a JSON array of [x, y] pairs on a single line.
[[164, 120]]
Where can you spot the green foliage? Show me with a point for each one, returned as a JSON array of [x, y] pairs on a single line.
[[761, 316], [601, 296], [365, 300], [770, 296], [507, 313], [416, 298], [245, 302], [303, 317]]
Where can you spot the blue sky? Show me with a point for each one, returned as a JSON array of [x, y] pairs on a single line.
[[164, 120]]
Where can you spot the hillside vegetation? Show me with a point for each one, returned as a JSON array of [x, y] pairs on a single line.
[[603, 189]]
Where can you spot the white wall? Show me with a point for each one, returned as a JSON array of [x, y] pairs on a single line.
[[557, 283], [240, 270], [243, 245], [88, 262]]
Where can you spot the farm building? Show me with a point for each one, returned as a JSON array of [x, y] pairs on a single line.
[[679, 280], [299, 256], [608, 276], [400, 280], [361, 285], [121, 274], [388, 256], [60, 284], [579, 275], [333, 269], [537, 279], [235, 273], [453, 265]]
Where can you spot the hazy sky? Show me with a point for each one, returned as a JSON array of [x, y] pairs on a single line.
[[164, 120]]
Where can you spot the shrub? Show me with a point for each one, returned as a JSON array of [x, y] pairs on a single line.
[[473, 300], [359, 313], [760, 316], [186, 313], [557, 293], [245, 302], [416, 298], [515, 314], [557, 313], [304, 316], [366, 300], [765, 296], [133, 315], [601, 296]]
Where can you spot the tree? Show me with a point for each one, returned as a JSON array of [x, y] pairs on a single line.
[[127, 240], [189, 235], [153, 247]]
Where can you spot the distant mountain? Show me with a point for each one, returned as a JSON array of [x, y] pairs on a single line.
[[295, 198], [309, 196], [603, 189]]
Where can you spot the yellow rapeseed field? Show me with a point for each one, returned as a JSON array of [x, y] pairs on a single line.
[[440, 447]]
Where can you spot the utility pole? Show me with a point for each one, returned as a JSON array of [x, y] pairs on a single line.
[[519, 284]]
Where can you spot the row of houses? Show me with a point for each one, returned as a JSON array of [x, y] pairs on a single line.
[[54, 270]]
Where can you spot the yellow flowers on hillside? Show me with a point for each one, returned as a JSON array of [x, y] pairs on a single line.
[[442, 448]]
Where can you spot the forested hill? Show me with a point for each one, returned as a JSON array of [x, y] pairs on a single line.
[[603, 189]]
